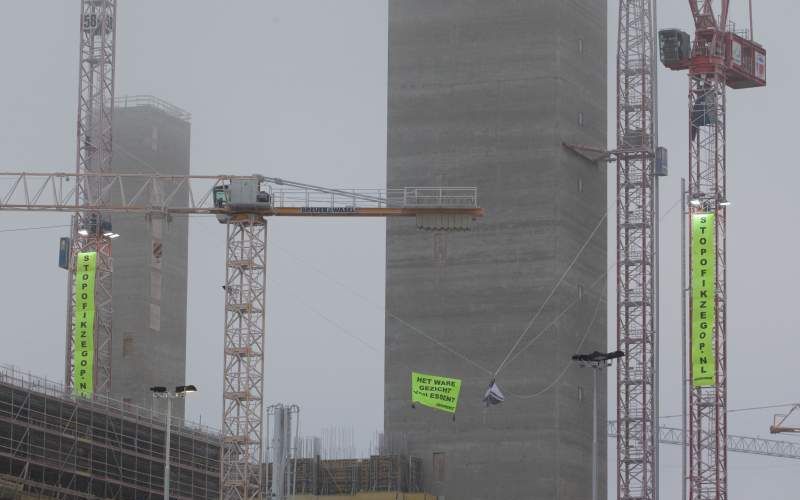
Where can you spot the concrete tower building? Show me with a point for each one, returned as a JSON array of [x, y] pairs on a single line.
[[150, 256], [485, 94]]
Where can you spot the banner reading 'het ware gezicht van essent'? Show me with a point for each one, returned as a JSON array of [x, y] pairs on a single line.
[[434, 391]]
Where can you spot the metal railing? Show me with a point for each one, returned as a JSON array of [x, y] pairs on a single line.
[[134, 101], [410, 197], [22, 379]]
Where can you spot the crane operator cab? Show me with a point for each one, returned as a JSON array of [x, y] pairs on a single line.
[[241, 196]]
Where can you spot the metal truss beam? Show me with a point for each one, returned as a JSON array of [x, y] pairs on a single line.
[[736, 444], [193, 194]]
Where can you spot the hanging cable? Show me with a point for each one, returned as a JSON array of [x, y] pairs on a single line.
[[557, 318], [569, 363], [31, 228], [574, 302], [552, 292], [386, 311], [739, 410]]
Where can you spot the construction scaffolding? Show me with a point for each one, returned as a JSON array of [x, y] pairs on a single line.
[[315, 476], [55, 445], [329, 465]]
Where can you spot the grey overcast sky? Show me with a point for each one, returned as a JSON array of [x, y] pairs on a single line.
[[297, 89]]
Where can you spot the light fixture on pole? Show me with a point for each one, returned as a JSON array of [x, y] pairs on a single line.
[[107, 232], [597, 361], [161, 392]]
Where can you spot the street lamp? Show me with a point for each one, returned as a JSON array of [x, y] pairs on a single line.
[[161, 392], [596, 360], [105, 226], [91, 226]]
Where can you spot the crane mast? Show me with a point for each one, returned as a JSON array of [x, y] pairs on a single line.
[[720, 56], [89, 230], [637, 184], [708, 423], [243, 370]]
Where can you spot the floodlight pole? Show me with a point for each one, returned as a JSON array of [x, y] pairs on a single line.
[[597, 361], [684, 342], [167, 447], [162, 393], [595, 447]]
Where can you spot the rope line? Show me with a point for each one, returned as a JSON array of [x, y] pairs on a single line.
[[31, 228], [570, 363], [552, 293]]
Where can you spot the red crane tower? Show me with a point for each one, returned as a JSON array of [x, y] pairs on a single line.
[[95, 106], [720, 56], [639, 162]]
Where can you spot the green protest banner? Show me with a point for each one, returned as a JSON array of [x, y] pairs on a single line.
[[704, 292], [83, 334], [436, 392]]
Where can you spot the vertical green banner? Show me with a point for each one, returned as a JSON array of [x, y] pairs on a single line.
[[436, 392], [704, 292], [83, 334]]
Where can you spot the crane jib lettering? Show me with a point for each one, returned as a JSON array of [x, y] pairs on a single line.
[[327, 210], [83, 321], [704, 286]]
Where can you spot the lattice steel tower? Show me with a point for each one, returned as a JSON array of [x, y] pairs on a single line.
[[720, 56], [708, 423], [243, 380], [91, 231], [637, 186]]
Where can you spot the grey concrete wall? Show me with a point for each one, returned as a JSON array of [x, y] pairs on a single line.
[[483, 94], [149, 334]]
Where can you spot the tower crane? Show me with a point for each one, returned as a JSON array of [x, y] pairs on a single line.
[[95, 107], [639, 162], [242, 204], [720, 56]]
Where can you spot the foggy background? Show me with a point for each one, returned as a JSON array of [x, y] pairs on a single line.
[[297, 89]]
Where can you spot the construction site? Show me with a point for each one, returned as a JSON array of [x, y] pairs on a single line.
[[531, 302]]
